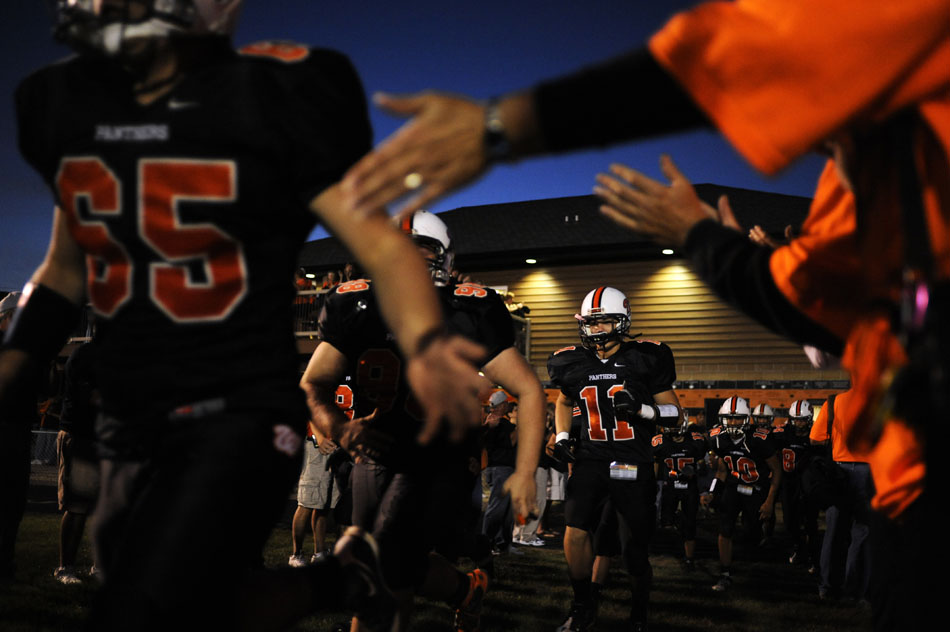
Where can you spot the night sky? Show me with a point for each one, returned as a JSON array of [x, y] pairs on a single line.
[[479, 48]]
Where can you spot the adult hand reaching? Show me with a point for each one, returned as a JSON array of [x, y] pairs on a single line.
[[663, 212], [439, 149]]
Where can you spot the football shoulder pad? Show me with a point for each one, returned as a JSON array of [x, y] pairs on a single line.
[[568, 364]]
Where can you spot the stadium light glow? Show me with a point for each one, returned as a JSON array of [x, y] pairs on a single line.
[[667, 251], [531, 261]]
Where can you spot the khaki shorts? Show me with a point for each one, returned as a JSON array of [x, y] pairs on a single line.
[[316, 488], [78, 485]]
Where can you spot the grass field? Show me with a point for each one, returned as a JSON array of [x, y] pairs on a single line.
[[531, 591]]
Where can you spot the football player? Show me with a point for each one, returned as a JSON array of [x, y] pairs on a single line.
[[680, 456], [763, 416], [187, 176], [748, 478], [410, 495], [801, 517], [620, 388]]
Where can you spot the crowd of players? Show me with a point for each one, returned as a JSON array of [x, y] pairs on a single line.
[[186, 174]]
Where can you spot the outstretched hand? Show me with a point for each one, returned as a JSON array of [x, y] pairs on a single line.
[[361, 440], [445, 380], [522, 488], [439, 149], [663, 212]]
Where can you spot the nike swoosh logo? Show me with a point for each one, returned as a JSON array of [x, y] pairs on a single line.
[[181, 105]]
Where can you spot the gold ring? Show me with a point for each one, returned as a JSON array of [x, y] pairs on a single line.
[[412, 180]]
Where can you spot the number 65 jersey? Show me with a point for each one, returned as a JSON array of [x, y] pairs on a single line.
[[191, 211], [591, 384]]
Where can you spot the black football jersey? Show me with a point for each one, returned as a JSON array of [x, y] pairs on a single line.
[[674, 456], [746, 459], [795, 450], [352, 323], [191, 212], [591, 384]]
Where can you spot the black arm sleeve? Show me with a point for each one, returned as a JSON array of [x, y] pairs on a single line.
[[738, 271], [625, 98]]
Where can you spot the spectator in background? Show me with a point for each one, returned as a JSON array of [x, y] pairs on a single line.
[[318, 493], [845, 562], [332, 280], [78, 485], [500, 438], [351, 272], [515, 309]]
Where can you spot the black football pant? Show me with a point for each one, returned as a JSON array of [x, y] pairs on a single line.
[[177, 531]]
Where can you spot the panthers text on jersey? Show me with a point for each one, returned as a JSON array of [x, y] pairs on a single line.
[[591, 384], [352, 323], [191, 211], [746, 458]]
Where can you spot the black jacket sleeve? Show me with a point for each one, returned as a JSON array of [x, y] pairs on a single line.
[[622, 99], [738, 271]]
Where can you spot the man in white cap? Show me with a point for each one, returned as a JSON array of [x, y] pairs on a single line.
[[500, 438]]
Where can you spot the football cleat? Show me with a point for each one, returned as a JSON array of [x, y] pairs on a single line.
[[297, 560], [468, 615], [725, 581], [365, 590], [66, 575], [603, 305], [579, 619]]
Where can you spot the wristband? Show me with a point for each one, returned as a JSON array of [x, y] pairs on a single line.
[[42, 323], [561, 436]]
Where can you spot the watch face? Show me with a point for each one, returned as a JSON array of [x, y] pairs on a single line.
[[495, 140]]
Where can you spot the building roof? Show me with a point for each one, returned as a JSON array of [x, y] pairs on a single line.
[[567, 230]]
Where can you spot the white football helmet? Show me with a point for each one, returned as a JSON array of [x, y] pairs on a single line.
[[426, 229], [800, 415], [104, 25], [734, 416], [603, 304], [763, 416]]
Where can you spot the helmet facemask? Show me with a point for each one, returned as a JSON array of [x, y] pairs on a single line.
[[734, 425], [425, 229], [603, 305], [109, 26], [801, 425], [439, 260]]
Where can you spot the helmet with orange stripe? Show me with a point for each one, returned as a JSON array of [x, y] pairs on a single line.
[[734, 416], [763, 416], [604, 317], [430, 232], [800, 416]]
